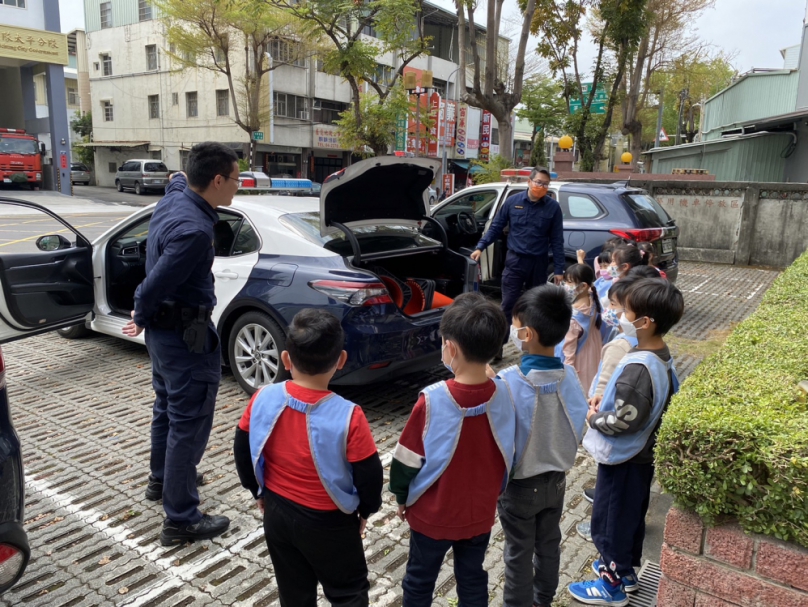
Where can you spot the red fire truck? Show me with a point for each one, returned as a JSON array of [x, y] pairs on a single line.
[[20, 158]]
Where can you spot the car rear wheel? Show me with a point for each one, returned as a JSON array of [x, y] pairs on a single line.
[[138, 189], [254, 350], [119, 185], [74, 332]]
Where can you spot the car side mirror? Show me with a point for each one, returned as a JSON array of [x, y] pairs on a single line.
[[52, 242], [42, 149]]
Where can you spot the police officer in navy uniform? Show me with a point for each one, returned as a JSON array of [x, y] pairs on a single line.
[[174, 304], [535, 227]]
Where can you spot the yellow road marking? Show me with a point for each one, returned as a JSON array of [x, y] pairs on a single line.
[[35, 236]]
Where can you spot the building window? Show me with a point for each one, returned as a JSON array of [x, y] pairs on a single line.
[[175, 98], [156, 155], [291, 106], [151, 57], [223, 102], [17, 3], [384, 74], [144, 10], [154, 106], [72, 96], [108, 115], [191, 107], [106, 60], [327, 112], [288, 52], [106, 15]]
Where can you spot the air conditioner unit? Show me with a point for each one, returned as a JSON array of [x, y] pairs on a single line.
[[303, 115]]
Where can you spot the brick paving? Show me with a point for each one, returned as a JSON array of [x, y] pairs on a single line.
[[83, 408]]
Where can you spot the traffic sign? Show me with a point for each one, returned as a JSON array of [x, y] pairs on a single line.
[[599, 101], [663, 136], [258, 136]]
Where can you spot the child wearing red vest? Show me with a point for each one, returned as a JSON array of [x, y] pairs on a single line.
[[308, 457], [454, 455]]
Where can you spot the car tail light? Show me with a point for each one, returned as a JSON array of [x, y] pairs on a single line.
[[12, 560], [645, 235], [353, 293], [247, 182]]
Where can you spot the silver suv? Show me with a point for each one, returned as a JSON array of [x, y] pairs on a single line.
[[142, 176]]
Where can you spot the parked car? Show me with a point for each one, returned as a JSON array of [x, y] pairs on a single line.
[[433, 195], [350, 252], [253, 179], [593, 213], [14, 549], [80, 173], [141, 176], [316, 188]]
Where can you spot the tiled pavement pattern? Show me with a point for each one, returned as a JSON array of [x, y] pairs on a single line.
[[82, 409]]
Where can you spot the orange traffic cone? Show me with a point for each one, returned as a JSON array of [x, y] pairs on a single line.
[[439, 300], [416, 304]]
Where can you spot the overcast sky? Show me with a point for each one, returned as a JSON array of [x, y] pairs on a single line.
[[755, 30]]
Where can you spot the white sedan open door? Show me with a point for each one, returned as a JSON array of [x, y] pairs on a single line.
[[46, 276]]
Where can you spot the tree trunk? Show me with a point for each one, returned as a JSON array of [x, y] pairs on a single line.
[[505, 136]]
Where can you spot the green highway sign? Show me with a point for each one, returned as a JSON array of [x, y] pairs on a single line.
[[599, 101], [258, 136]]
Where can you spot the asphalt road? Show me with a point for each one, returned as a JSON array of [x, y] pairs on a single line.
[[112, 195], [19, 233]]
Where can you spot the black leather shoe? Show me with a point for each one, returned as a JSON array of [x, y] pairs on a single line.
[[154, 490], [208, 527]]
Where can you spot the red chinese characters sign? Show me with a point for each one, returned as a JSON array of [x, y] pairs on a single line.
[[434, 118], [448, 127], [448, 183], [485, 137], [462, 120]]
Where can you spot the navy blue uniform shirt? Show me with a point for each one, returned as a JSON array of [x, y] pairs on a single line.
[[179, 253], [535, 228]]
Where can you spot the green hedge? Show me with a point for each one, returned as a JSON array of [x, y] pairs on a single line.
[[735, 439]]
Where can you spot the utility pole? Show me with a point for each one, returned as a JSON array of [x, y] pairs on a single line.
[[684, 94], [659, 118]]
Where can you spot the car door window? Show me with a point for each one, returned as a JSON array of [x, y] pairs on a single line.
[[479, 203], [247, 240], [579, 206]]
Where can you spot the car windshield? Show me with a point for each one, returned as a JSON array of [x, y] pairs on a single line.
[[155, 167], [372, 239], [10, 145], [79, 167], [649, 212]]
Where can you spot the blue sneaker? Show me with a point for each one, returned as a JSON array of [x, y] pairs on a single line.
[[598, 592], [630, 582]]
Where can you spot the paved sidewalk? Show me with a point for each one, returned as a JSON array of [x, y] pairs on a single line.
[[83, 408]]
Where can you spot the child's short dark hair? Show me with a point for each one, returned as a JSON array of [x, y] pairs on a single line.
[[642, 272], [611, 244], [605, 257], [476, 325], [315, 341], [659, 300], [545, 309], [620, 287], [629, 254]]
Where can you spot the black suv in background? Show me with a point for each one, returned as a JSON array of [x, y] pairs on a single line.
[[14, 550]]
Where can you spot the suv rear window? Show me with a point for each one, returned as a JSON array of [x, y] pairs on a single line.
[[649, 212], [78, 167], [155, 167]]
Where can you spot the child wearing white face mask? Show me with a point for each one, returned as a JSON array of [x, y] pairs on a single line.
[[582, 345], [454, 456]]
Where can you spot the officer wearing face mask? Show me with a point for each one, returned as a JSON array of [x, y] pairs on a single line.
[[535, 231]]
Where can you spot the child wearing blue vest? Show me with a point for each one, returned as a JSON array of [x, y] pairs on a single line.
[[623, 425], [581, 346], [309, 458], [550, 416], [453, 458]]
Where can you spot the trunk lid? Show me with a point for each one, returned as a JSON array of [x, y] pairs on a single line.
[[378, 191]]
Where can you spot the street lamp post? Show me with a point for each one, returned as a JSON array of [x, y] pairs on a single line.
[[443, 141]]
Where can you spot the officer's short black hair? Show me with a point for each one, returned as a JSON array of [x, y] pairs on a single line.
[[545, 309], [207, 160], [314, 341], [659, 300], [476, 325], [537, 170]]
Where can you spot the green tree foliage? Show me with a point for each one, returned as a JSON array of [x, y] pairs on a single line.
[[618, 27], [491, 170], [230, 37], [545, 110], [347, 53], [83, 125]]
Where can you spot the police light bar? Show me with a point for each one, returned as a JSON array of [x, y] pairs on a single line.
[[291, 184], [515, 175]]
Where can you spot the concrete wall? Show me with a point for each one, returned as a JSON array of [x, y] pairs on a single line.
[[735, 222]]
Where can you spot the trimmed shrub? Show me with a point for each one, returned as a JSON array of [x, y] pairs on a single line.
[[734, 441]]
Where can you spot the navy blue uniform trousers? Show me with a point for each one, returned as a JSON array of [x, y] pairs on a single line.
[[521, 272], [618, 514], [185, 388]]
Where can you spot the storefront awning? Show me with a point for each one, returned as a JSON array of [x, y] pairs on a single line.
[[464, 166], [112, 144]]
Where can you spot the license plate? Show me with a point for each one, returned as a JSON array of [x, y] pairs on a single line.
[[667, 246], [6, 180]]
